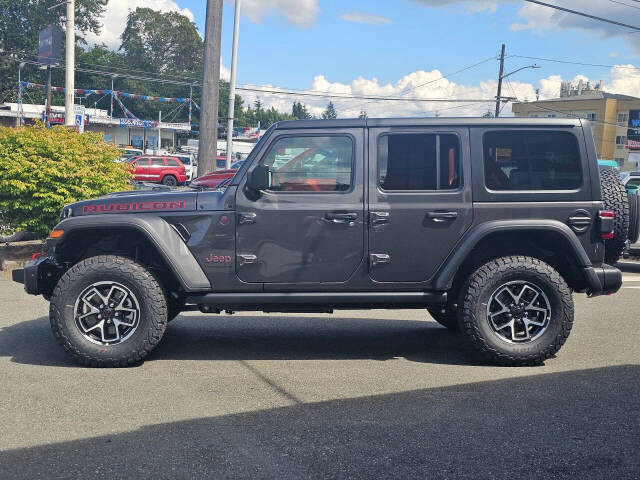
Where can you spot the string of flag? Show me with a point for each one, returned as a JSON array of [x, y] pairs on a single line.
[[125, 110]]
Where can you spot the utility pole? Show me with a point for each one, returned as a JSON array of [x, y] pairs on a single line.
[[232, 83], [208, 145], [113, 77], [69, 117], [47, 110], [159, 132], [19, 112], [499, 96]]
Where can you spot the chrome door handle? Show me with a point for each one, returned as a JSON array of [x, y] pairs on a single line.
[[341, 217], [442, 216], [378, 259]]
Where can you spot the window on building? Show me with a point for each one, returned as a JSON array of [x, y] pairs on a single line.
[[531, 160], [534, 115], [309, 164], [623, 118], [551, 115], [591, 116], [419, 161], [621, 141]]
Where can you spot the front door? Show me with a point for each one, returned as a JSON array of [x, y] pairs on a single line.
[[308, 227], [420, 200]]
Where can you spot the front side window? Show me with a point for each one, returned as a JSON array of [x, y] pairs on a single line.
[[531, 160], [311, 164], [421, 161]]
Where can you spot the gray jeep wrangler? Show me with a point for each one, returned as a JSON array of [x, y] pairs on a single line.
[[489, 224]]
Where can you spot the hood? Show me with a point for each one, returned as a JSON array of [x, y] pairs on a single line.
[[135, 202]]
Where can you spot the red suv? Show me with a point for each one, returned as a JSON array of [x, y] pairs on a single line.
[[166, 170]]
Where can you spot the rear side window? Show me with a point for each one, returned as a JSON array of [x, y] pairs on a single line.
[[531, 160], [172, 162], [157, 162], [419, 162]]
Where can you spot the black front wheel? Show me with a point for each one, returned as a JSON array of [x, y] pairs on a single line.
[[517, 310], [108, 311]]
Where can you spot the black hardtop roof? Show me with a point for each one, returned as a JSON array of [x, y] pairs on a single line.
[[429, 122]]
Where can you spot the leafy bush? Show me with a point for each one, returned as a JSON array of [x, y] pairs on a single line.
[[42, 169]]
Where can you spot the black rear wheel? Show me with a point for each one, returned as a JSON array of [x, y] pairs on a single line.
[[517, 311], [169, 180]]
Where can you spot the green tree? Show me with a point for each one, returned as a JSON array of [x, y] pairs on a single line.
[[330, 112], [300, 111]]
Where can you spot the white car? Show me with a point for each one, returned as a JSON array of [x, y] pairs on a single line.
[[190, 164]]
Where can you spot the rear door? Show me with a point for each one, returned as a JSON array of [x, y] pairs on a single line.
[[308, 227], [419, 199]]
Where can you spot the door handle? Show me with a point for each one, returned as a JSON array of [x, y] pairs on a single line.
[[341, 217], [442, 216], [379, 259]]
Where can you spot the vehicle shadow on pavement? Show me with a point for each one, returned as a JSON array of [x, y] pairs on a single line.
[[581, 424], [267, 338]]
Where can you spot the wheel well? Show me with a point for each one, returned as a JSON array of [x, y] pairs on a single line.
[[124, 242], [550, 247]]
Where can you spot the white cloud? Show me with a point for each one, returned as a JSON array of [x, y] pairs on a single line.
[[358, 17], [421, 84], [302, 13], [115, 18]]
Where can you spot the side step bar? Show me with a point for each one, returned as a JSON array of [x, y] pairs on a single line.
[[313, 301]]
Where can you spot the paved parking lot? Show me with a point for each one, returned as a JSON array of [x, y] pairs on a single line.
[[358, 394]]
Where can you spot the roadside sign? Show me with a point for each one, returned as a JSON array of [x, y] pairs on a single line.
[[79, 113], [50, 45]]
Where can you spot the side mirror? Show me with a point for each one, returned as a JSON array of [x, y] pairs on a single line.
[[259, 178]]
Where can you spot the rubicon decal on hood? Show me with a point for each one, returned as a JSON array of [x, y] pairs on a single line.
[[133, 207]]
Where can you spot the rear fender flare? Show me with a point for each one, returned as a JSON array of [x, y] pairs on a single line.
[[445, 276]]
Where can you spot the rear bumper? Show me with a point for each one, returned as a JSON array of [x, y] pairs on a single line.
[[603, 280]]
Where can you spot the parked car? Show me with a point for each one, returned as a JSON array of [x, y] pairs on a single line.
[[166, 170], [190, 164], [214, 179], [490, 225]]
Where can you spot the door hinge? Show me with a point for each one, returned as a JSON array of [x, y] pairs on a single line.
[[246, 218], [246, 259], [379, 259], [378, 218]]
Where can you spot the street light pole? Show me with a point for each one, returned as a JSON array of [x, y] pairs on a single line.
[[232, 83], [69, 118]]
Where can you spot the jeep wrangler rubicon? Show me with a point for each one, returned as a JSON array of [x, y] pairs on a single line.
[[489, 224]]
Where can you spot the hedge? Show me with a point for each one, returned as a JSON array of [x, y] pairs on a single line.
[[41, 170]]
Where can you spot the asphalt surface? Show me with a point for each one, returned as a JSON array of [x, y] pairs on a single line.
[[371, 394]]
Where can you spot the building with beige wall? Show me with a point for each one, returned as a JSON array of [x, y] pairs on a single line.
[[615, 121]]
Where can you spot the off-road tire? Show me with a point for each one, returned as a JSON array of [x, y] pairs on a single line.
[[447, 318], [169, 181], [151, 298], [614, 196], [489, 277], [634, 220]]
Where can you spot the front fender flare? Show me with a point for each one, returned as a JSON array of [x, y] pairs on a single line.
[[444, 278], [160, 233]]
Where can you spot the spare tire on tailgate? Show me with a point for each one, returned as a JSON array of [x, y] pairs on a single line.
[[634, 219], [614, 197]]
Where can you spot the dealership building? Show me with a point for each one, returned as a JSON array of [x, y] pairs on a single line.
[[615, 119]]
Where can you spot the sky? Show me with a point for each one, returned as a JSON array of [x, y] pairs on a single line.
[[404, 48]]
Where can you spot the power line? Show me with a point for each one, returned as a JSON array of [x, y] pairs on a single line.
[[625, 4], [574, 63], [582, 14]]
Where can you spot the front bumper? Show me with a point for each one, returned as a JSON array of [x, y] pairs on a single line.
[[38, 276], [603, 280]]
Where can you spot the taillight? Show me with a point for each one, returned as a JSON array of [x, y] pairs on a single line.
[[607, 218]]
